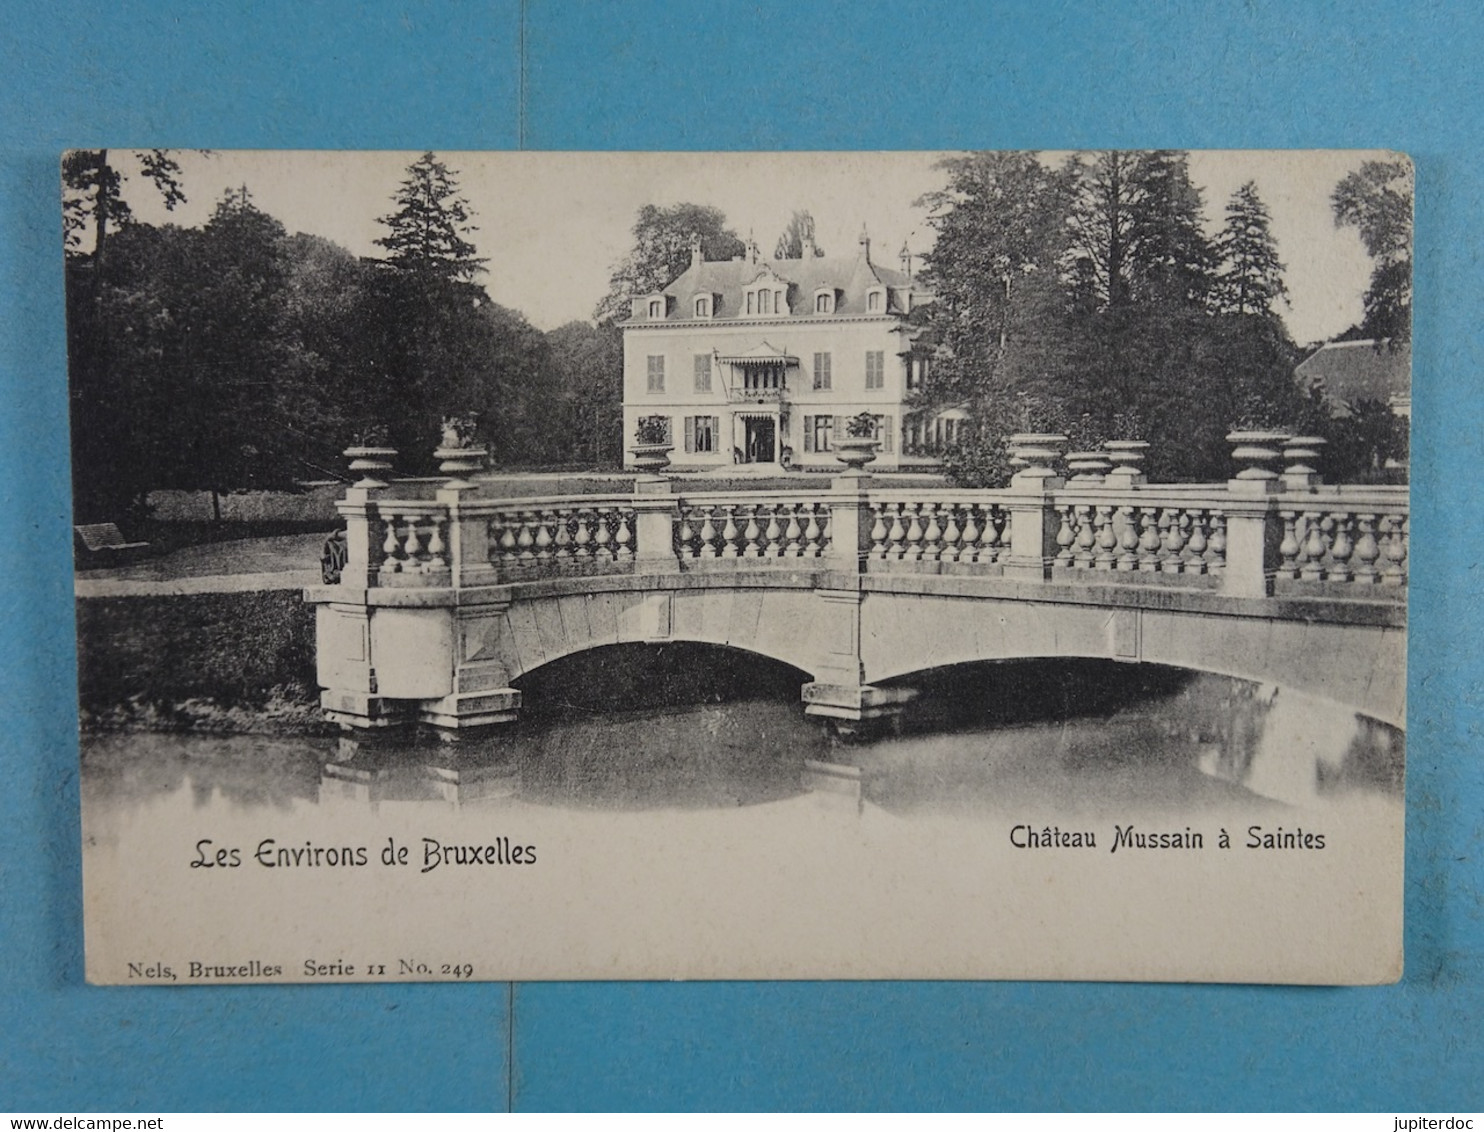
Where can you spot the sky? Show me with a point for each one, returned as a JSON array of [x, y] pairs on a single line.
[[552, 225]]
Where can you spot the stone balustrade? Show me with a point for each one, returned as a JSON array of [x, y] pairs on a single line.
[[1324, 540], [717, 528]]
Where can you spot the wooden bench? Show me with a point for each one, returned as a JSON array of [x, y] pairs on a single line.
[[104, 540]]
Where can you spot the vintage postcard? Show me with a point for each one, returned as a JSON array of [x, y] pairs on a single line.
[[740, 565]]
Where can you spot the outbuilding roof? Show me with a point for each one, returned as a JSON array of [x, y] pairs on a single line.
[[1364, 370]]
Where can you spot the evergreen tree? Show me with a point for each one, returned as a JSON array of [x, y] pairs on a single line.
[[791, 242], [1251, 277], [427, 234], [1172, 261]]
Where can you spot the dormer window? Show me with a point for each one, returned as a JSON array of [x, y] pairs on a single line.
[[876, 300], [702, 306], [656, 308], [766, 298], [824, 301]]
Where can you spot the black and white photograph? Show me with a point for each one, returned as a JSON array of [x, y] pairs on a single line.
[[958, 565]]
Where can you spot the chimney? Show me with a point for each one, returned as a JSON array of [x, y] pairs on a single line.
[[695, 249], [865, 242], [808, 245], [751, 249], [905, 257]]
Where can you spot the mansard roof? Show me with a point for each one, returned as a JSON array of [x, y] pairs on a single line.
[[850, 277]]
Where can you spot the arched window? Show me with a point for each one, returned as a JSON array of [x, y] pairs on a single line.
[[703, 306]]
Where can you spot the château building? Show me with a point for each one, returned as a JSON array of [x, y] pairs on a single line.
[[755, 361]]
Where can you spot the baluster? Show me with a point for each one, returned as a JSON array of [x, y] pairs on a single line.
[[1366, 550], [436, 545], [684, 535], [1341, 548], [1086, 539], [968, 549], [898, 548], [729, 535], [793, 534], [602, 536], [1195, 549], [1216, 553], [1172, 560], [1148, 539], [526, 538], [1288, 549], [879, 531], [706, 545], [813, 530], [996, 534], [543, 539], [1396, 551], [1128, 539], [390, 545], [623, 537], [1065, 536], [1107, 541], [582, 535], [750, 534], [913, 548], [951, 536], [773, 536], [1312, 569], [561, 542], [932, 535]]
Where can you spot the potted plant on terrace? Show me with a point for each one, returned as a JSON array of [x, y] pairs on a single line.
[[459, 453], [652, 445], [370, 455], [857, 447]]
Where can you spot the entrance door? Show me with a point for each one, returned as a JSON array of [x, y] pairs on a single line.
[[761, 441]]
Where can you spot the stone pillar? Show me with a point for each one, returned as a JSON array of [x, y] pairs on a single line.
[[468, 539], [1033, 520], [480, 693], [1253, 532], [850, 523], [655, 515], [358, 508], [839, 693]]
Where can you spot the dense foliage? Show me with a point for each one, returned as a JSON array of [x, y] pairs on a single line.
[[1089, 299]]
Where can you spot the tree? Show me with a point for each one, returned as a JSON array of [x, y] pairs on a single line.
[[587, 378], [1136, 232], [1250, 280], [427, 234], [92, 193], [791, 243], [662, 250], [1376, 200]]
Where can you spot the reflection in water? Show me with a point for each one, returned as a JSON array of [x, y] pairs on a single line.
[[640, 729]]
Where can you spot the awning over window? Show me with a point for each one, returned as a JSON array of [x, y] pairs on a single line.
[[763, 355]]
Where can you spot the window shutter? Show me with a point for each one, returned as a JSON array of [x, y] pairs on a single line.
[[837, 426], [690, 434], [808, 434], [886, 434]]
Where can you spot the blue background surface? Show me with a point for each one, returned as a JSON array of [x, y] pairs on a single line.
[[741, 76]]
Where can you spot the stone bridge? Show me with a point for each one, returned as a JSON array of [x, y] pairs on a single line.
[[447, 598]]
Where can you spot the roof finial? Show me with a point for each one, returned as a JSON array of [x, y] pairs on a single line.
[[905, 257], [865, 242], [695, 249], [751, 247]]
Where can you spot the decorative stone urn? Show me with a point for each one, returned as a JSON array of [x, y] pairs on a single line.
[[855, 452], [370, 461], [1256, 451], [1300, 454], [459, 455], [1032, 454], [651, 459], [1128, 458], [1088, 467]]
